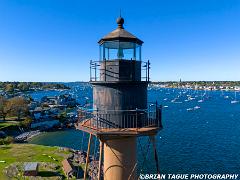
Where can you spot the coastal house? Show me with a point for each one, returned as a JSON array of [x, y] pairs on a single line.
[[49, 99], [37, 112], [40, 113], [57, 108], [33, 105], [68, 168], [30, 169], [46, 113], [66, 99], [63, 99]]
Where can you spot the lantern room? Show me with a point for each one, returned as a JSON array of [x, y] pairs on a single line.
[[120, 44], [120, 58]]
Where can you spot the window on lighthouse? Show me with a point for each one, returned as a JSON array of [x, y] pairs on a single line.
[[120, 54], [112, 50]]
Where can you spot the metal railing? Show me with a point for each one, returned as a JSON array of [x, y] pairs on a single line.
[[96, 69], [120, 119]]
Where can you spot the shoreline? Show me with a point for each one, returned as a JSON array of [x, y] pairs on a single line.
[[191, 88], [26, 136], [46, 132]]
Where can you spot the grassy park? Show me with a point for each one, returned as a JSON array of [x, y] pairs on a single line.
[[20, 153], [5, 124]]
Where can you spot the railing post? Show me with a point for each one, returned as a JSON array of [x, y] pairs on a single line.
[[105, 75], [95, 71], [124, 117], [148, 66], [148, 115], [97, 118], [90, 70], [157, 115], [160, 115], [136, 117]]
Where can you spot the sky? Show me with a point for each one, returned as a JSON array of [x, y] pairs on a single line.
[[54, 40]]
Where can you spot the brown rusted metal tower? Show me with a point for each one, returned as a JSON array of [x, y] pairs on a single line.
[[120, 111]]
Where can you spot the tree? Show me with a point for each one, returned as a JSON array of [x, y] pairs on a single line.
[[7, 140], [27, 122], [3, 107], [17, 106], [9, 88], [23, 86]]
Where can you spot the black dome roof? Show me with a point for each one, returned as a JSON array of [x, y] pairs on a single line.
[[120, 34]]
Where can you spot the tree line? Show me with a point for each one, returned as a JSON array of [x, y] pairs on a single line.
[[26, 86]]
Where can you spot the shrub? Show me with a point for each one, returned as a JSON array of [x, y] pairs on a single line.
[[7, 140]]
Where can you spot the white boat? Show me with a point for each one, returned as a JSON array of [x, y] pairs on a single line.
[[190, 98], [234, 102], [202, 96], [197, 107], [222, 94], [235, 99], [175, 100]]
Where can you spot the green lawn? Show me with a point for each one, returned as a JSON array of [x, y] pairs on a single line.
[[29, 153], [11, 118], [8, 124]]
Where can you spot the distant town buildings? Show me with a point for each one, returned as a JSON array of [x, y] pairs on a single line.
[[51, 109], [199, 85]]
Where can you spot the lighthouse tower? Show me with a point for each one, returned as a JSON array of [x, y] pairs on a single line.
[[121, 112]]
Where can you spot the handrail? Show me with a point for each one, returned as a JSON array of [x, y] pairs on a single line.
[[150, 104], [105, 119], [95, 71]]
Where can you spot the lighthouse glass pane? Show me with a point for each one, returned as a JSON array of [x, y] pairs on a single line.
[[138, 52], [101, 54], [127, 54], [112, 50], [112, 54]]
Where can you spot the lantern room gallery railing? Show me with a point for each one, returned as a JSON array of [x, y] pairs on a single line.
[[96, 69], [121, 119]]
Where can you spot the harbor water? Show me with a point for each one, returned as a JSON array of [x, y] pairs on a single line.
[[200, 131]]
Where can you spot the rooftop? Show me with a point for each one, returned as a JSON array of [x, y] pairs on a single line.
[[67, 166], [120, 34], [30, 166]]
